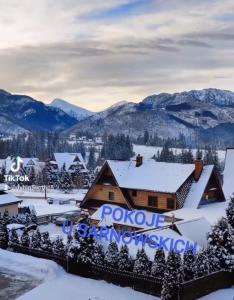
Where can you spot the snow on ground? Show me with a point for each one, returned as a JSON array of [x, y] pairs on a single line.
[[150, 151], [75, 194], [43, 208], [53, 230], [225, 294], [59, 285], [25, 264]]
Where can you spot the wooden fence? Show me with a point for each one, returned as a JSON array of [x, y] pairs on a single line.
[[146, 284]]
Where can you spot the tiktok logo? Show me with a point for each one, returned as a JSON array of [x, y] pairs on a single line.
[[16, 166]]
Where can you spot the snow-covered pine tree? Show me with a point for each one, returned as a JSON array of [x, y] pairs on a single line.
[[201, 264], [98, 254], [25, 239], [14, 239], [221, 238], [124, 261], [92, 161], [78, 177], [230, 212], [189, 265], [214, 263], [33, 218], [6, 217], [112, 255], [4, 237], [172, 278], [58, 247], [65, 181], [142, 264], [32, 176], [159, 264], [86, 248], [36, 240], [46, 243]]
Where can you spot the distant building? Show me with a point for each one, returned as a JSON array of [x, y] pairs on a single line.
[[154, 186], [8, 202]]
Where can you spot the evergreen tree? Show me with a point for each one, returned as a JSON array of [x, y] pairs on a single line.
[[58, 247], [142, 264], [36, 240], [202, 264], [14, 239], [33, 218], [189, 265], [214, 263], [4, 238], [85, 249], [46, 243], [172, 277], [221, 239], [146, 137], [124, 261], [98, 254], [159, 264], [111, 256], [25, 239], [65, 181], [92, 160], [230, 212], [32, 176]]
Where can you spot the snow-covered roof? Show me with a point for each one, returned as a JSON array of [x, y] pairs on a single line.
[[196, 230], [68, 159], [198, 188], [151, 175], [6, 199], [184, 213], [108, 220], [26, 160], [15, 226], [228, 174]]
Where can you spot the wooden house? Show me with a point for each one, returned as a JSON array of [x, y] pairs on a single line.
[[154, 186], [8, 202]]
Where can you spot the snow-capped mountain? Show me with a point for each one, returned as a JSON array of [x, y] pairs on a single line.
[[20, 113], [74, 111], [208, 112]]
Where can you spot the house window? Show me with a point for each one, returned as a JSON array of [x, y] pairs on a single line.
[[170, 203], [152, 201], [111, 196], [134, 193]]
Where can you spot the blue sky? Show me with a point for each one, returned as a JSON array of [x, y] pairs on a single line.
[[95, 53]]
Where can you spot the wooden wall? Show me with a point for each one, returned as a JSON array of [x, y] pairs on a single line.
[[142, 199], [12, 209], [101, 192]]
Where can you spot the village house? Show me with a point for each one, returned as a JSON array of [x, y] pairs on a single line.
[[8, 202], [70, 160], [154, 186]]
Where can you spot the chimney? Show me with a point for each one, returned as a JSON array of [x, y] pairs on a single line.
[[198, 169], [139, 160]]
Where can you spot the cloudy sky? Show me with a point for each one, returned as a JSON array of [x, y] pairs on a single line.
[[95, 53]]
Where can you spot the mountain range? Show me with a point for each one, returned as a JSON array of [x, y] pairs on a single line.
[[20, 113], [72, 110], [205, 114]]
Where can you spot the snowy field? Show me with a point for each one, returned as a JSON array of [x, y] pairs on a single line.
[[58, 285], [150, 151]]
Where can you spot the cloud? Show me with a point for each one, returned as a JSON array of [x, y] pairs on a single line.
[[95, 53]]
